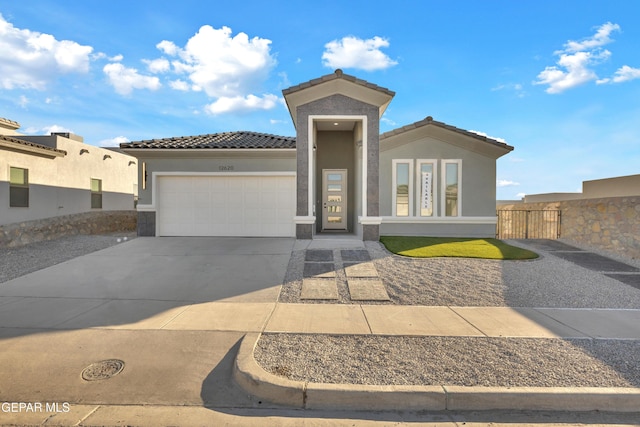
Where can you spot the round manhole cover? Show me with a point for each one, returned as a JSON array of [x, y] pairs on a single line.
[[102, 370]]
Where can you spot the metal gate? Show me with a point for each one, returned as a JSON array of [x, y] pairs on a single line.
[[528, 224]]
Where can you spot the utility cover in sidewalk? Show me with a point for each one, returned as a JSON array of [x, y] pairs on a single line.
[[367, 290], [319, 289], [102, 370]]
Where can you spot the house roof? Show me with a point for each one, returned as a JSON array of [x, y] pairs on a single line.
[[27, 146], [336, 83], [224, 140], [338, 74], [428, 121], [9, 124]]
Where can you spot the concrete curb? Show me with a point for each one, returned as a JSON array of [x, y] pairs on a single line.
[[260, 383]]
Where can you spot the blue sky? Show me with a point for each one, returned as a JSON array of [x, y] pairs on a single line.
[[558, 80]]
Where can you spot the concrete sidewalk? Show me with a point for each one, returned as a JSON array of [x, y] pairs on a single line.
[[389, 320]]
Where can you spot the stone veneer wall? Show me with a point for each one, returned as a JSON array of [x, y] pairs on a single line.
[[22, 233], [611, 224]]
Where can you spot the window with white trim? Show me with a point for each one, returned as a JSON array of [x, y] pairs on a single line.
[[402, 192], [427, 171], [451, 187]]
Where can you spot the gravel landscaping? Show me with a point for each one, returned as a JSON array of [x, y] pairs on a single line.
[[464, 361], [545, 282], [502, 362], [16, 262]]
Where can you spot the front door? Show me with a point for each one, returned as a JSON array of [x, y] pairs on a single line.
[[334, 199]]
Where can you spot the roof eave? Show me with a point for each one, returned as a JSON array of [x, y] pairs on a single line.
[[30, 148]]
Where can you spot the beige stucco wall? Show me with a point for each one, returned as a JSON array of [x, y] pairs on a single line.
[[62, 185], [612, 187]]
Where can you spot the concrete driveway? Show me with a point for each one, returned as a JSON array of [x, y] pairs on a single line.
[[173, 309]]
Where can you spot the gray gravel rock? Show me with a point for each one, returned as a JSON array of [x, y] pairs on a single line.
[[464, 361]]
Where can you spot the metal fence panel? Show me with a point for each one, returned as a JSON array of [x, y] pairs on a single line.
[[528, 224]]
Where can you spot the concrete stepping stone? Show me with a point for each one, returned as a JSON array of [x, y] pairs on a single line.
[[319, 255], [361, 269], [355, 255], [367, 290], [321, 289], [319, 269]]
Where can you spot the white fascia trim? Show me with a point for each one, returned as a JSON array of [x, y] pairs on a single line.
[[304, 219], [146, 208], [441, 220], [370, 220], [311, 141]]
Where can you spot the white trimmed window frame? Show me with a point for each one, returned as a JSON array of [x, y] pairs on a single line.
[[434, 187], [443, 187], [394, 181]]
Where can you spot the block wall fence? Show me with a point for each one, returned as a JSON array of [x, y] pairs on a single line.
[[22, 233], [611, 224]]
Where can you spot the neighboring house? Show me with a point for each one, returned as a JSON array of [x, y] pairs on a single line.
[[337, 175], [49, 176], [619, 186]]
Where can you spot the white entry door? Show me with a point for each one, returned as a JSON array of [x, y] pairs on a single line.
[[334, 199]]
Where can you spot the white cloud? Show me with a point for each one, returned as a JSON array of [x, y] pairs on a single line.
[[167, 47], [124, 79], [521, 195], [53, 129], [623, 74], [222, 65], [477, 132], [352, 52], [600, 38], [577, 72], [31, 60], [160, 65], [578, 59], [387, 121], [506, 183], [23, 101], [242, 104], [516, 88], [113, 142], [179, 85]]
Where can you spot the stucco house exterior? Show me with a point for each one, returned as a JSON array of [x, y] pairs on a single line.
[[338, 175], [57, 175]]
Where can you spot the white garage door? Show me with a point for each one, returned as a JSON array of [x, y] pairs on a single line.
[[225, 206]]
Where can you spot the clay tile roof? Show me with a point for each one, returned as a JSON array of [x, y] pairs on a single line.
[[429, 121], [228, 140], [30, 144], [338, 74], [9, 123]]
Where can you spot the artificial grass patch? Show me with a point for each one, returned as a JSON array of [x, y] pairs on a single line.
[[430, 247]]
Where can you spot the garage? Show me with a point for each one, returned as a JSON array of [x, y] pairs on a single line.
[[242, 205]]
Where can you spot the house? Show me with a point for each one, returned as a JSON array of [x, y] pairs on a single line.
[[50, 176], [337, 175]]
